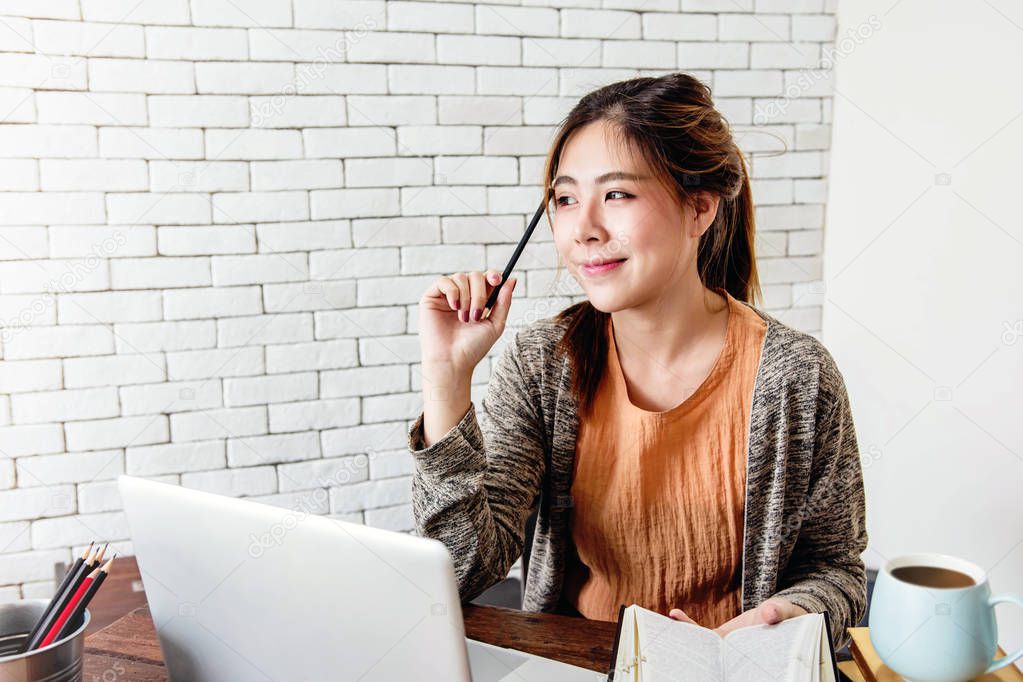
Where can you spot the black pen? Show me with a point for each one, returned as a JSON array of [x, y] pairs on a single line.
[[514, 258]]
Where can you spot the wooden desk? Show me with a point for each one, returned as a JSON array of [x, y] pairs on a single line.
[[128, 648]]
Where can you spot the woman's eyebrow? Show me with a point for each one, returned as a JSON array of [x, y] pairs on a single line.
[[606, 177]]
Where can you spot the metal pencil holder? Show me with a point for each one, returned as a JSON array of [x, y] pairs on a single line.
[[61, 661]]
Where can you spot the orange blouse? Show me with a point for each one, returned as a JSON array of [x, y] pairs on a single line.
[[658, 497]]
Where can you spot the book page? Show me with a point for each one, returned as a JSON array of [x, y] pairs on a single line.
[[807, 665], [785, 651], [826, 670], [674, 651]]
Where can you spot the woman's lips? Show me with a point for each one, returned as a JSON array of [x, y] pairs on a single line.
[[603, 268]]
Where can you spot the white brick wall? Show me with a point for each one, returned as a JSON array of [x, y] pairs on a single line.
[[216, 222]]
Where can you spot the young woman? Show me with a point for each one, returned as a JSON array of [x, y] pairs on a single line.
[[687, 451]]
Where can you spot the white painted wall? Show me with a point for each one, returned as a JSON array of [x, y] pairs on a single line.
[[923, 267]]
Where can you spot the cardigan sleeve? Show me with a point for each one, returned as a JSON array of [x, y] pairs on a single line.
[[826, 571], [475, 487]]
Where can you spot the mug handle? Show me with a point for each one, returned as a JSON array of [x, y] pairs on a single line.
[[1008, 658]]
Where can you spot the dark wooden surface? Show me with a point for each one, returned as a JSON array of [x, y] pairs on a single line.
[[126, 646], [129, 648], [579, 641], [125, 649]]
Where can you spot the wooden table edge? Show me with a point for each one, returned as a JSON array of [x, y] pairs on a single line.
[[576, 641]]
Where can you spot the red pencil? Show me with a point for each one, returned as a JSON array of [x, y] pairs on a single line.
[[97, 580], [42, 628], [69, 609], [69, 577]]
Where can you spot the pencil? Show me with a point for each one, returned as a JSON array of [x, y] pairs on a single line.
[[66, 612], [514, 258], [98, 576], [68, 575], [61, 601]]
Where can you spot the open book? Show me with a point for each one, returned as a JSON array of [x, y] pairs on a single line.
[[650, 647]]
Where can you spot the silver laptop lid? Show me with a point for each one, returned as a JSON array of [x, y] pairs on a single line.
[[241, 590]]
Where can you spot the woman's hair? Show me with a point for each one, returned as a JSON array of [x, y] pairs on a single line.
[[671, 123]]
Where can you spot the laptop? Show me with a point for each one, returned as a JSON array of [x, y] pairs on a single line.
[[241, 590]]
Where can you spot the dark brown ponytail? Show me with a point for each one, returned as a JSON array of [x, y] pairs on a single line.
[[671, 122]]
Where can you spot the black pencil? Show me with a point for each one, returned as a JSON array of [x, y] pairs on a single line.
[[98, 576], [514, 258], [68, 576], [45, 623]]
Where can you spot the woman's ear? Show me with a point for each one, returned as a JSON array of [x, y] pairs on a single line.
[[705, 209], [698, 214]]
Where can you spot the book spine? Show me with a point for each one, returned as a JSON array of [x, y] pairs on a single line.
[[614, 649], [831, 645]]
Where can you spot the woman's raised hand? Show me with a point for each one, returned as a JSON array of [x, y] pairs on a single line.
[[452, 333]]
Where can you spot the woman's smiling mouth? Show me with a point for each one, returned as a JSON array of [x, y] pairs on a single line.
[[600, 267]]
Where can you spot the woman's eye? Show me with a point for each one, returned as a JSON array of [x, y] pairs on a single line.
[[563, 200]]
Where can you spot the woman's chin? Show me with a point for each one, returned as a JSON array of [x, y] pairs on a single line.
[[606, 301]]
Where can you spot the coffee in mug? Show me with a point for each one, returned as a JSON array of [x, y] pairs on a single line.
[[932, 576]]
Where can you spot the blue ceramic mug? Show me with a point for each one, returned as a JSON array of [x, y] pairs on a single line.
[[931, 633]]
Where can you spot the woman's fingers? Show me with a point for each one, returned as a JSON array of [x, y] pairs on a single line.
[[499, 313], [461, 280], [467, 292], [775, 610], [444, 287], [480, 285], [679, 614], [771, 612], [493, 279], [478, 297]]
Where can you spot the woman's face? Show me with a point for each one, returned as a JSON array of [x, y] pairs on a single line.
[[602, 215]]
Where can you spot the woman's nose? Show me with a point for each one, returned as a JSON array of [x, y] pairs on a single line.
[[590, 224]]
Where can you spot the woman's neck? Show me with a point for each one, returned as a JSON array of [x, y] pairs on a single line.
[[670, 328]]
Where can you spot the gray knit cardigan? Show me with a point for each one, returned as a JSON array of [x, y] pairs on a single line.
[[805, 511]]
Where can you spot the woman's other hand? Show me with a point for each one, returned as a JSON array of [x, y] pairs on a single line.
[[771, 611], [679, 614]]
